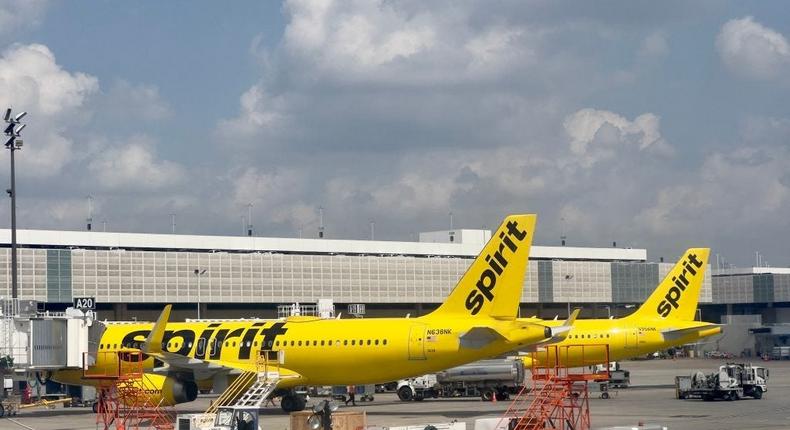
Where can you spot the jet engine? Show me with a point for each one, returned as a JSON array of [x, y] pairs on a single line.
[[169, 389]]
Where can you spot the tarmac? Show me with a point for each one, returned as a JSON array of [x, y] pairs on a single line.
[[650, 400]]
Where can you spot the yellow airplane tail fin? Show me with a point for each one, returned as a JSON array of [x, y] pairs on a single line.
[[677, 295], [492, 285]]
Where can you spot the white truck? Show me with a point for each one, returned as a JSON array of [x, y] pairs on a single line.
[[484, 378], [731, 382]]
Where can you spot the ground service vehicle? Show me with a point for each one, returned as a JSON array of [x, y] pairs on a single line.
[[618, 377], [731, 382], [484, 378], [418, 388]]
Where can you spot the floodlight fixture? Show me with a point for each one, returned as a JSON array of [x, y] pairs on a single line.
[[13, 131]]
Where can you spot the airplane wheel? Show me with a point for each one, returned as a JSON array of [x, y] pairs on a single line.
[[604, 396], [292, 403], [405, 394]]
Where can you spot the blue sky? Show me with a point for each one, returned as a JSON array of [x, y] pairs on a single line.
[[661, 125]]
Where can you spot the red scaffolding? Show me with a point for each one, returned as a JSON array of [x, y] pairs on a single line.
[[557, 398], [124, 392]]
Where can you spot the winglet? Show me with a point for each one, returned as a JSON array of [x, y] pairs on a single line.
[[153, 343]]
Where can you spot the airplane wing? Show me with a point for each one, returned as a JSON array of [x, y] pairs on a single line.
[[153, 347], [672, 334], [202, 369]]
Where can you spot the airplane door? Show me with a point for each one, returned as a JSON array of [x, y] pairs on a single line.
[[417, 342], [631, 339]]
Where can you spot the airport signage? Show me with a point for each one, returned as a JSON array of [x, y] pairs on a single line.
[[85, 303]]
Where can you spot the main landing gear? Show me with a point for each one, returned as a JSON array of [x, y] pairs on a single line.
[[293, 402]]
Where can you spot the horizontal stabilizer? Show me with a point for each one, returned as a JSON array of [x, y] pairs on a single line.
[[558, 334], [478, 337], [678, 333]]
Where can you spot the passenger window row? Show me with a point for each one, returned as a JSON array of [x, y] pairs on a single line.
[[345, 342], [589, 336], [338, 342]]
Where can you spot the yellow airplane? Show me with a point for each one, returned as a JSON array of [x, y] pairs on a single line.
[[477, 320], [665, 320]]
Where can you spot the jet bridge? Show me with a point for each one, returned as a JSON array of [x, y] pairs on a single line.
[[31, 340]]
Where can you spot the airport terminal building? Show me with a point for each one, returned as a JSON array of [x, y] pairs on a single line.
[[131, 275]]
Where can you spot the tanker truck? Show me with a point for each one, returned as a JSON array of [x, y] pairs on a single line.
[[484, 378]]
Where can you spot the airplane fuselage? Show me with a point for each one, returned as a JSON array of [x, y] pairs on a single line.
[[625, 337], [323, 352]]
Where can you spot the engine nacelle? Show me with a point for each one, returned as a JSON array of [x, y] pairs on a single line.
[[170, 390]]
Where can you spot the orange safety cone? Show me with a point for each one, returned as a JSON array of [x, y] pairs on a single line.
[[493, 397]]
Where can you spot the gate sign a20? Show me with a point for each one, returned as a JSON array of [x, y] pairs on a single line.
[[85, 303]]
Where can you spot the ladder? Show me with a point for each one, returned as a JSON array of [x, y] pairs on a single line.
[[259, 391]]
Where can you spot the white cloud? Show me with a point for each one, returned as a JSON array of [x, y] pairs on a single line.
[[133, 166], [277, 193], [750, 49], [598, 134], [30, 79], [18, 14], [499, 48], [45, 155], [654, 46], [411, 43], [131, 101], [745, 186], [259, 114], [355, 36]]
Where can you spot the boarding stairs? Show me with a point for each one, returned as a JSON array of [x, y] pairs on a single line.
[[259, 391], [249, 390]]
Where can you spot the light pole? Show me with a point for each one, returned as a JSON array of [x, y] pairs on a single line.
[[198, 274], [13, 131]]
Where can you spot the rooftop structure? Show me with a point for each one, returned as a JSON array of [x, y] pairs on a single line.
[[59, 239]]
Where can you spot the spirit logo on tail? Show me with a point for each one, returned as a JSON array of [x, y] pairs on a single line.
[[670, 302], [485, 285]]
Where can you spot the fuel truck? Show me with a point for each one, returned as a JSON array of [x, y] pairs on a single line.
[[484, 378]]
